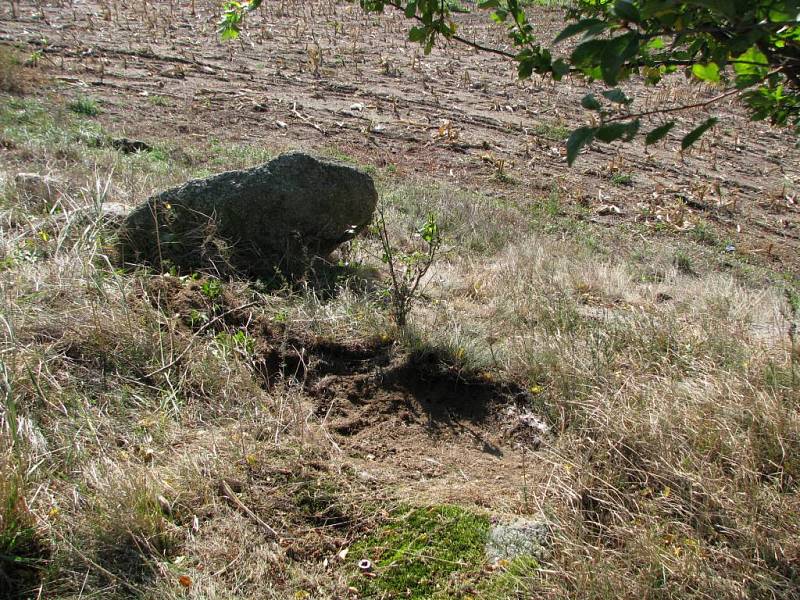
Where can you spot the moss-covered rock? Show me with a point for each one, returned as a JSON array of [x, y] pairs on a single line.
[[279, 215]]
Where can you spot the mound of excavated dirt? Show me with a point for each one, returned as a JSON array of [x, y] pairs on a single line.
[[400, 417], [396, 417]]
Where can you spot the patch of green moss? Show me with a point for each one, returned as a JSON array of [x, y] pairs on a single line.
[[435, 552]]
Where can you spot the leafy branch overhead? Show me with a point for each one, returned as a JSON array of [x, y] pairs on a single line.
[[230, 26], [750, 49]]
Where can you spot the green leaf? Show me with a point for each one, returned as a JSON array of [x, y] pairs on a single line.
[[534, 60], [698, 131], [658, 8], [499, 16], [627, 10], [227, 33], [778, 16], [658, 133], [616, 52], [430, 230], [633, 129], [525, 68], [417, 34], [709, 72], [589, 102], [577, 140], [750, 67], [579, 27], [607, 54], [723, 8], [652, 75], [560, 68], [588, 53], [592, 73], [614, 131], [617, 96]]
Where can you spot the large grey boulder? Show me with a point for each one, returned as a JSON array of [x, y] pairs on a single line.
[[279, 215]]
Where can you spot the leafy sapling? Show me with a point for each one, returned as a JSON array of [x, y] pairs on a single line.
[[407, 269]]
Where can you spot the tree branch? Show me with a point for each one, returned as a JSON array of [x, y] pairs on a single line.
[[460, 39], [659, 111]]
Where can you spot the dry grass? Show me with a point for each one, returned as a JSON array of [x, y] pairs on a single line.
[[11, 72], [674, 473], [16, 77], [671, 470]]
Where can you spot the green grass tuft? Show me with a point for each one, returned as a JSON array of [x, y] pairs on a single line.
[[622, 179], [552, 131], [84, 106], [517, 579]]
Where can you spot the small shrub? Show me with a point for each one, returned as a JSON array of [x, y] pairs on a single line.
[[236, 342], [704, 234], [407, 269], [211, 289], [157, 100], [549, 207], [552, 131], [84, 106], [34, 59], [621, 179], [12, 74], [683, 263]]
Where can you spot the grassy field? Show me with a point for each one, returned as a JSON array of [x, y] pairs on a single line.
[[174, 435]]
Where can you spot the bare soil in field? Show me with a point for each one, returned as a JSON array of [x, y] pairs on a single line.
[[322, 75]]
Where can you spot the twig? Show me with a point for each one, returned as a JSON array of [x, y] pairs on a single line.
[[197, 334], [307, 121], [658, 111], [234, 499], [139, 592], [463, 40]]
